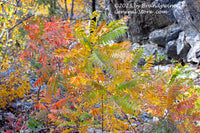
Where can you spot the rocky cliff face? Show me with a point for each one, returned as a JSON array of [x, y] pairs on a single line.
[[172, 25], [140, 23]]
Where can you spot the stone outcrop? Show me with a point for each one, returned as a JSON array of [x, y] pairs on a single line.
[[187, 14], [177, 31], [163, 36], [140, 24], [169, 14], [182, 47]]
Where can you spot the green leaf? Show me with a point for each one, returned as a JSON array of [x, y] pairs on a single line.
[[84, 116], [97, 58], [112, 34], [126, 85]]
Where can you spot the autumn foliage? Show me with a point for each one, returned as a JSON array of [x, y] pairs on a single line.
[[86, 81], [89, 83]]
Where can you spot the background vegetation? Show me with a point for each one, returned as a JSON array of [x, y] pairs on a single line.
[[85, 81]]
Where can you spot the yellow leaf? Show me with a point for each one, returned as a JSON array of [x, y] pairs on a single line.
[[115, 131]]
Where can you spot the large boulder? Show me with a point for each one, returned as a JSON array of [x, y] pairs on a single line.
[[187, 14], [178, 49], [182, 46], [149, 49], [169, 10], [140, 24], [171, 50], [193, 55], [194, 10], [163, 36]]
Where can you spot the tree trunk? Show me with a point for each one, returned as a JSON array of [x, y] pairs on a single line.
[[72, 10], [94, 8], [66, 10]]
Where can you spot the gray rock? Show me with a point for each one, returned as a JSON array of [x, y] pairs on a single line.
[[169, 14], [194, 10], [135, 46], [182, 46], [198, 53], [183, 17], [158, 37], [149, 49], [170, 2], [145, 116], [141, 62], [180, 42], [162, 68], [140, 25], [163, 36], [187, 14], [171, 50], [195, 47]]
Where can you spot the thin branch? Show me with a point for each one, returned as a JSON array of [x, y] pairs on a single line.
[[3, 10], [4, 24], [135, 131], [22, 20], [19, 3], [129, 121], [7, 37], [102, 120], [64, 11], [5, 1], [2, 33]]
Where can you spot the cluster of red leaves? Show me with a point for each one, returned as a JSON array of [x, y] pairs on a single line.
[[16, 126], [44, 38]]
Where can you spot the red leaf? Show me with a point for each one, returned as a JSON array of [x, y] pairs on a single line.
[[41, 106], [9, 131], [60, 103], [39, 82]]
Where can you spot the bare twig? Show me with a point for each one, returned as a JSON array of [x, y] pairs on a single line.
[[3, 10], [3, 31], [38, 95], [63, 11], [4, 24], [135, 131], [129, 121], [5, 1], [7, 39], [20, 21], [102, 120]]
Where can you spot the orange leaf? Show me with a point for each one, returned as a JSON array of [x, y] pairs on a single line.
[[52, 117], [41, 106], [59, 103], [39, 82]]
